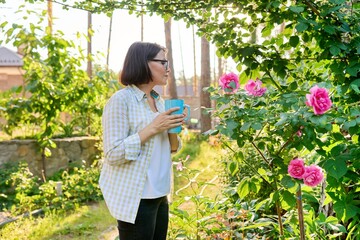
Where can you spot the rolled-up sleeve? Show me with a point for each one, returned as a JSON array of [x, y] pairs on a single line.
[[119, 146]]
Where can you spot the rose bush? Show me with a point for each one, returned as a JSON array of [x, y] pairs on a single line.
[[265, 133]]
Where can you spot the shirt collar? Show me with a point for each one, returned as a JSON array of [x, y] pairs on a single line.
[[140, 94]]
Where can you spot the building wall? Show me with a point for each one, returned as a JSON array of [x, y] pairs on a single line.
[[11, 77]]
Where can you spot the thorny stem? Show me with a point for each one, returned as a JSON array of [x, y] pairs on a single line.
[[261, 154], [300, 213], [251, 167], [271, 78], [287, 142]]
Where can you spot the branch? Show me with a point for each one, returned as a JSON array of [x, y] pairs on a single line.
[[310, 5], [261, 154], [250, 166]]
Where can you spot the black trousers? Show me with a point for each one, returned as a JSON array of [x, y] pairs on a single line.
[[151, 221]]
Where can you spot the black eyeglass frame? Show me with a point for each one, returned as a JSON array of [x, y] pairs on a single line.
[[165, 63]]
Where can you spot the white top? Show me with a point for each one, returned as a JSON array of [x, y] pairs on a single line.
[[159, 172]]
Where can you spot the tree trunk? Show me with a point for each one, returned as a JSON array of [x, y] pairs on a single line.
[[50, 16], [172, 81], [205, 82], [220, 71], [195, 87], [109, 42], [182, 64], [89, 62]]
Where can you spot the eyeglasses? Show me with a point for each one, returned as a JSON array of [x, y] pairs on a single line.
[[165, 63]]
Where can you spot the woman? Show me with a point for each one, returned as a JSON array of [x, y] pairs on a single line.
[[135, 177]]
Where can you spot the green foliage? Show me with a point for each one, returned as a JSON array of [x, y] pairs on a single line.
[[23, 192], [56, 86], [291, 46], [194, 208], [90, 222]]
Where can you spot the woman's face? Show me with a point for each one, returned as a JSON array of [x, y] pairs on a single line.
[[160, 69]]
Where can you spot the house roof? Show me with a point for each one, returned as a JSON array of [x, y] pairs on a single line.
[[9, 58]]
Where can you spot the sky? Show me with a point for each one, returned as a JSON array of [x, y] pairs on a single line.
[[126, 29]]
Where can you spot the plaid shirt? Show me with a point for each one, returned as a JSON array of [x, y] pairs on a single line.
[[124, 169]]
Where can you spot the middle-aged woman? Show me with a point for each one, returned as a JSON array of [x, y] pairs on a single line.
[[136, 172]]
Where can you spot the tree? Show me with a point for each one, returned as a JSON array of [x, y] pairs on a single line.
[[204, 83], [172, 81]]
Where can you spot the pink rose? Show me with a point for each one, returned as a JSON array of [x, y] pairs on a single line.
[[229, 82], [296, 168], [313, 176], [254, 88], [318, 99], [299, 133]]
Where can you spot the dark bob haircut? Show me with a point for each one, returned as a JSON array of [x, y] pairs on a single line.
[[136, 69]]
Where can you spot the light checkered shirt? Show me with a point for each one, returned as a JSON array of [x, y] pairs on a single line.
[[124, 169]]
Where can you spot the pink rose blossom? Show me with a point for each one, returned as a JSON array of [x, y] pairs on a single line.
[[299, 133], [313, 175], [296, 168], [254, 88], [229, 82], [318, 99]]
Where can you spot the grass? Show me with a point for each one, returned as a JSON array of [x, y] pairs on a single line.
[[85, 223], [204, 160], [94, 221]]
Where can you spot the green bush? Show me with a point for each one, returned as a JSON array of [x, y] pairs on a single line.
[[22, 192]]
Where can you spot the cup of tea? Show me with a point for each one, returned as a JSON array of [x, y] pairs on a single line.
[[171, 103]]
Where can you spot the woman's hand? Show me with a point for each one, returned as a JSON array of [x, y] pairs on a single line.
[[162, 122], [165, 120]]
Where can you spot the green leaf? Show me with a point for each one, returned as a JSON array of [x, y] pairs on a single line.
[[47, 152], [294, 41], [345, 210], [263, 173], [245, 126], [296, 9], [233, 168], [338, 2], [288, 182], [256, 126], [231, 125], [243, 188], [336, 168], [355, 85], [334, 50], [349, 124], [329, 29], [289, 198], [353, 70], [337, 150], [301, 26]]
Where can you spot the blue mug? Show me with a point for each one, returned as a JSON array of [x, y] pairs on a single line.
[[171, 103]]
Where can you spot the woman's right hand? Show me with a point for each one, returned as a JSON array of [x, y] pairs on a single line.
[[162, 122], [165, 120]]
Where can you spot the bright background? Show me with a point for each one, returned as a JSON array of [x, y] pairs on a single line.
[[125, 30]]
